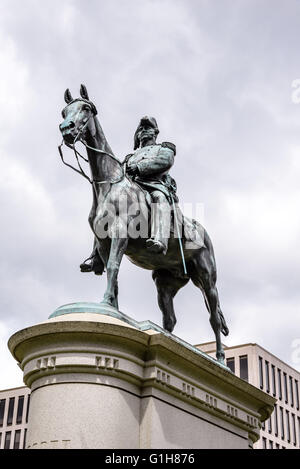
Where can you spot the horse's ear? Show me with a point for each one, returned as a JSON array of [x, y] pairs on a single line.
[[68, 96], [83, 92]]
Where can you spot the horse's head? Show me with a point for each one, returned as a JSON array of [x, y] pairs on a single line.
[[77, 115]]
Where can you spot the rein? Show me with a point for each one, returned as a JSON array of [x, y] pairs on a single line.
[[76, 152]]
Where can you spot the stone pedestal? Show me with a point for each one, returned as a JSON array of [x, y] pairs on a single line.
[[99, 379]]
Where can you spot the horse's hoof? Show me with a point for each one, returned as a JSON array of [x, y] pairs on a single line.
[[169, 326], [106, 302], [221, 359]]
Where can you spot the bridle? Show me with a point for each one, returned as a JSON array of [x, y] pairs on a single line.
[[77, 154], [123, 166]]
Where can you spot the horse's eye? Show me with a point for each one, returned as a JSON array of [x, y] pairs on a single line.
[[86, 108]]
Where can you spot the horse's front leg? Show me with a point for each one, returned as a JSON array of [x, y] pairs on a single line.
[[117, 250]]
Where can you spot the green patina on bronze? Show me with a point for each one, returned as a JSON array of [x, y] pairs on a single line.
[[142, 178], [107, 310]]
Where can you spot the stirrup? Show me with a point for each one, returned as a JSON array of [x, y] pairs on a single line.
[[85, 267], [96, 265]]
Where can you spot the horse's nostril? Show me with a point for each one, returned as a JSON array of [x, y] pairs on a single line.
[[71, 125]]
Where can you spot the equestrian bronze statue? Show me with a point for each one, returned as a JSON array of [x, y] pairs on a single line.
[[135, 212]]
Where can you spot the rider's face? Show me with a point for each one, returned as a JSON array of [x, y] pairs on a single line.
[[146, 132]]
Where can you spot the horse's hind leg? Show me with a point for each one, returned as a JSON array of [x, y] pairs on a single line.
[[167, 286], [204, 276]]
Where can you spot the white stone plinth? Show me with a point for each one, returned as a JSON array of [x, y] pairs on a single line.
[[99, 379]]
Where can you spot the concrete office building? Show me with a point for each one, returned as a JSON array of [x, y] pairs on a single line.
[[261, 368], [14, 406]]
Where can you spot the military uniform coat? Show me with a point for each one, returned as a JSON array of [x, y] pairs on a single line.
[[153, 164]]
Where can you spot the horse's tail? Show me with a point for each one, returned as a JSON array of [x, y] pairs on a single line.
[[224, 328]]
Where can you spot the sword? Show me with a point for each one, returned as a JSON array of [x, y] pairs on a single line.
[[178, 234]]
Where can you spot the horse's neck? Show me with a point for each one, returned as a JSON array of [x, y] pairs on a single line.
[[103, 166]]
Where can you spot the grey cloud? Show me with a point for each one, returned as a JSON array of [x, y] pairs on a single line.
[[217, 76]]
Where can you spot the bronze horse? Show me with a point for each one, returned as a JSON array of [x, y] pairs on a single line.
[[111, 185]]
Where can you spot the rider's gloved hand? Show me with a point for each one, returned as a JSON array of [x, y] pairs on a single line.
[[132, 170]]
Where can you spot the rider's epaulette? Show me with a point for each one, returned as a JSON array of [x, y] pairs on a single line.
[[169, 145]]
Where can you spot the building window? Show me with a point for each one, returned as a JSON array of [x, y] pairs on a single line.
[[285, 388], [297, 394], [279, 384], [0, 439], [261, 375], [24, 442], [2, 408], [264, 442], [298, 418], [20, 409], [270, 444], [17, 439], [267, 377], [10, 413], [263, 425], [230, 363], [275, 420], [27, 410], [7, 440], [244, 367], [288, 431], [277, 446], [291, 391], [294, 430], [273, 380], [270, 424], [281, 423]]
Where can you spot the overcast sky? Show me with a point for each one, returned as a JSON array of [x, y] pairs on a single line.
[[217, 75]]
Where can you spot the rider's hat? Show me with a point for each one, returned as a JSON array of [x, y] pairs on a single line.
[[150, 121]]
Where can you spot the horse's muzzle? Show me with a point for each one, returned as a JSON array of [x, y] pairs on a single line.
[[68, 133]]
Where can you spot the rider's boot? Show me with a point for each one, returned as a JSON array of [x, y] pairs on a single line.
[[95, 265], [160, 226]]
